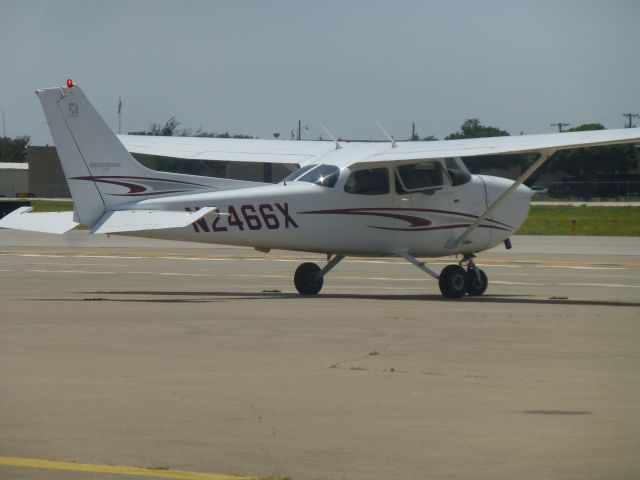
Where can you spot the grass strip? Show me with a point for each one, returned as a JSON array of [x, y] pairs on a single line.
[[51, 205], [559, 220]]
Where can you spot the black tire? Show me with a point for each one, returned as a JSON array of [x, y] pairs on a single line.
[[307, 279], [476, 286], [453, 281]]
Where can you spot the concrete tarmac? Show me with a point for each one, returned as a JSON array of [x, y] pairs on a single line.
[[118, 351]]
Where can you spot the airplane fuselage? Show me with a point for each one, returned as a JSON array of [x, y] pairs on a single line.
[[308, 217]]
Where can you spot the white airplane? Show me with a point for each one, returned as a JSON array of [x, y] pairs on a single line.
[[404, 199]]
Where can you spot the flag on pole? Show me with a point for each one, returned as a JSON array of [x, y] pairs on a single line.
[[119, 105]]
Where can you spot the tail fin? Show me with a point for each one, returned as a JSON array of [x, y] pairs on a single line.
[[69, 118], [101, 173]]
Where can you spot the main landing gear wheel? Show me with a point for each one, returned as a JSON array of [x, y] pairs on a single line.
[[453, 281], [477, 281], [308, 279]]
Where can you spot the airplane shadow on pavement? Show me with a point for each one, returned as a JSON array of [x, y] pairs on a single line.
[[204, 296]]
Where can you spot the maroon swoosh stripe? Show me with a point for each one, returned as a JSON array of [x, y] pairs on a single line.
[[136, 189], [413, 220]]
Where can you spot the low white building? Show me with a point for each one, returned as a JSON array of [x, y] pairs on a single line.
[[14, 179]]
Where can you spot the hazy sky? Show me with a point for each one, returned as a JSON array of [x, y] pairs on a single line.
[[257, 66]]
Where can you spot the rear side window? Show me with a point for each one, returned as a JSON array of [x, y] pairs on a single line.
[[419, 176], [372, 181]]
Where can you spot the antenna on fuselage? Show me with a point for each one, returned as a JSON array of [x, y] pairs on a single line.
[[330, 134], [386, 134]]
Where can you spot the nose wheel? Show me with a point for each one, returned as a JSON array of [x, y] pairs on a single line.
[[477, 281]]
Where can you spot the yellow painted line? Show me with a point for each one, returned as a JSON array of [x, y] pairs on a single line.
[[113, 469]]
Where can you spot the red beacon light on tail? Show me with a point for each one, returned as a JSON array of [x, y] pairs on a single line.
[[69, 83]]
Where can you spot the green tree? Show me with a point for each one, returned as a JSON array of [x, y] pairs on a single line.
[[228, 135], [14, 149], [429, 138], [594, 160], [472, 128], [169, 128]]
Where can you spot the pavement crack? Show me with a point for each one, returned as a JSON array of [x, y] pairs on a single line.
[[379, 351], [271, 431]]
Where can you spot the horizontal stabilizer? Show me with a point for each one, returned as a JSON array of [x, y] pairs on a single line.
[[46, 222], [120, 221]]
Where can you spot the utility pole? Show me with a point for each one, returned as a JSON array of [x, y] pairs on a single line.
[[306, 127], [560, 125], [630, 117], [414, 135], [4, 130]]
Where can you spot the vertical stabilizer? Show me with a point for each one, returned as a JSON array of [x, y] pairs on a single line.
[[67, 115]]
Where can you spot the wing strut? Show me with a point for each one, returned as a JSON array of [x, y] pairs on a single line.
[[544, 156]]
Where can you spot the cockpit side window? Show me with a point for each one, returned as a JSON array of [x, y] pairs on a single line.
[[323, 175], [370, 181], [418, 177]]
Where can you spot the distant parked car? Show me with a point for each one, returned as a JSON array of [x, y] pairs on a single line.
[[560, 191], [538, 190]]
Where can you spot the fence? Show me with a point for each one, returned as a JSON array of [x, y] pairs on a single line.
[[588, 189]]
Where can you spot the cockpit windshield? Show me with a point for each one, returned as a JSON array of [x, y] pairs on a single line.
[[458, 171], [298, 173], [323, 175]]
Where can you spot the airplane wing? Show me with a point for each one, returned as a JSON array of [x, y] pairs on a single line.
[[227, 149], [506, 145], [300, 152]]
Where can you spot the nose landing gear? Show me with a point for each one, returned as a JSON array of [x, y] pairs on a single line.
[[454, 281], [477, 281]]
